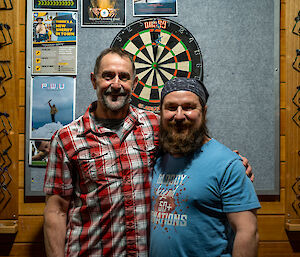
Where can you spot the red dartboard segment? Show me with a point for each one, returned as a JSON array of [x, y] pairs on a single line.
[[161, 49]]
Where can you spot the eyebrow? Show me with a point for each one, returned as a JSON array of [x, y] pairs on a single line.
[[113, 74]]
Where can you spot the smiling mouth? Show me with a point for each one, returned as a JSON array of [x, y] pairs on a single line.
[[115, 95]]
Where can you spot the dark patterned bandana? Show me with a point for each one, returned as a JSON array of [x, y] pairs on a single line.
[[185, 84]]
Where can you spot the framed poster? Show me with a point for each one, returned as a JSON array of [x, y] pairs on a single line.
[[103, 13], [54, 43], [52, 105], [155, 8], [55, 4]]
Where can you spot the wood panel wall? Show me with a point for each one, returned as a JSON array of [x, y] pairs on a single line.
[[8, 101], [275, 240]]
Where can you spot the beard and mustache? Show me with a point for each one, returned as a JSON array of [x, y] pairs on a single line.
[[114, 100], [182, 137]]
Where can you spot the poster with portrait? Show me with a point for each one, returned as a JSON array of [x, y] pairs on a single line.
[[55, 4], [52, 105], [103, 13], [155, 8], [54, 38]]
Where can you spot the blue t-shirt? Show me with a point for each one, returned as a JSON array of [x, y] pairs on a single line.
[[190, 199]]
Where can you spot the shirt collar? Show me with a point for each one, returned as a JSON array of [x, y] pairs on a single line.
[[89, 125]]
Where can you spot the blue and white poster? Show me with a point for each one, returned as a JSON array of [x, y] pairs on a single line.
[[52, 104], [155, 7]]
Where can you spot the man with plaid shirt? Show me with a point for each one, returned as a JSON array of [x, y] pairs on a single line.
[[97, 179]]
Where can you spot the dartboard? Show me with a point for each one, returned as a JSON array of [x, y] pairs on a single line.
[[161, 49]]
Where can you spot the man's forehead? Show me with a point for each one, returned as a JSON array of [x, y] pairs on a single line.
[[181, 96], [116, 61], [108, 57]]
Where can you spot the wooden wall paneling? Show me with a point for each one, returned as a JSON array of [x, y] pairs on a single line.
[[30, 229], [282, 14], [21, 147], [282, 69], [22, 65], [282, 148], [23, 249], [274, 207], [21, 174], [29, 208], [22, 92], [22, 37], [9, 176], [271, 228], [21, 119], [282, 96], [282, 176], [282, 42], [292, 130], [274, 240], [276, 249], [282, 124]]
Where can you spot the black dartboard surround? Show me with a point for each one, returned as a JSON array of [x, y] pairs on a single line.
[[161, 49]]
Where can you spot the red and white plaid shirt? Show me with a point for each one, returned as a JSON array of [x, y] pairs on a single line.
[[108, 179]]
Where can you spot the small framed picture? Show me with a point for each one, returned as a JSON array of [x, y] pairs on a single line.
[[103, 13], [155, 8]]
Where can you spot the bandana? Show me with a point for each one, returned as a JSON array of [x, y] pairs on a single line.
[[185, 84]]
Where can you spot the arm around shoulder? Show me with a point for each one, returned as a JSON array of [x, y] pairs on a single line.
[[244, 224], [55, 223]]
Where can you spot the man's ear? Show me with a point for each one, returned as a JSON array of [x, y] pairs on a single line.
[[205, 109], [135, 81], [93, 80]]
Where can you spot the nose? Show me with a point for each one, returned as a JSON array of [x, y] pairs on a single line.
[[179, 115], [116, 83], [116, 79]]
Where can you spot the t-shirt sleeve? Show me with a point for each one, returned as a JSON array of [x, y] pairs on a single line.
[[237, 190], [58, 179]]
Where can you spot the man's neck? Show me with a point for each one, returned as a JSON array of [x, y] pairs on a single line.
[[104, 113]]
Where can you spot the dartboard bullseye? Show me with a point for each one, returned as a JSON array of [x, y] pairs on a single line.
[[161, 49]]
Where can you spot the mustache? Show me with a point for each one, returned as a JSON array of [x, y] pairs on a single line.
[[111, 91], [179, 124]]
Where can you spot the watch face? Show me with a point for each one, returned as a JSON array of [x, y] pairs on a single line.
[[161, 49]]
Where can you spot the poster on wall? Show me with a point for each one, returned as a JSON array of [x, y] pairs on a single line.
[[38, 152], [155, 7], [103, 13], [52, 105], [55, 4], [54, 38]]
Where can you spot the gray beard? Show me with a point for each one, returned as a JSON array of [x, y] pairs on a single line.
[[117, 107]]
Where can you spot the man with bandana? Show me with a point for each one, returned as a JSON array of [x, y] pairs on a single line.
[[97, 180], [203, 204]]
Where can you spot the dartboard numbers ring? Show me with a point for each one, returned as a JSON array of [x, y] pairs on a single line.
[[161, 49]]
